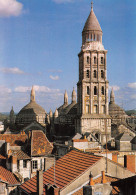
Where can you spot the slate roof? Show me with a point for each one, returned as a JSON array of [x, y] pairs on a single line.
[[20, 155], [67, 169], [14, 139], [40, 145], [124, 137], [7, 176], [92, 23]]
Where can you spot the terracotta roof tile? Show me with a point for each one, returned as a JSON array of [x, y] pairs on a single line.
[[2, 157], [14, 139], [40, 144], [67, 169], [20, 154], [7, 176]]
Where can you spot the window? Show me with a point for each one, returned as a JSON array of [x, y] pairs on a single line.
[[94, 37], [95, 90], [95, 109], [34, 164], [88, 59], [87, 73], [18, 164], [91, 37], [102, 74], [24, 164], [102, 60], [95, 74], [95, 60], [88, 91], [87, 109], [102, 90], [103, 109]]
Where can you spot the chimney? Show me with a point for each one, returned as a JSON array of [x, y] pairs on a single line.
[[103, 177], [129, 162], [14, 163], [7, 147], [39, 182], [52, 189], [91, 183], [89, 189], [56, 191]]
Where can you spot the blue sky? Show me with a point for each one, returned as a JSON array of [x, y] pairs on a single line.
[[39, 43]]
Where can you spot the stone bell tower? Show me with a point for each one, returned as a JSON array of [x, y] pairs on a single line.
[[92, 86]]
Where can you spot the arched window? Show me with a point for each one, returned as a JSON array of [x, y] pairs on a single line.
[[91, 37], [103, 109], [88, 59], [95, 74], [102, 74], [95, 109], [87, 108], [102, 90], [88, 91], [94, 37], [102, 60], [87, 73], [95, 60], [95, 90]]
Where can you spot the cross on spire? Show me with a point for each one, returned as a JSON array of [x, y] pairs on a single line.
[[91, 4]]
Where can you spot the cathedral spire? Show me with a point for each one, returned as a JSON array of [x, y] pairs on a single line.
[[32, 96], [73, 95], [112, 97], [65, 98]]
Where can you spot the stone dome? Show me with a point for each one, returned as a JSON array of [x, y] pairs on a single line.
[[31, 112]]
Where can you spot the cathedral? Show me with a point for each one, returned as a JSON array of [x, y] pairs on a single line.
[[89, 110]]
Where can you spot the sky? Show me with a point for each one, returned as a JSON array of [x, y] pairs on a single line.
[[39, 45]]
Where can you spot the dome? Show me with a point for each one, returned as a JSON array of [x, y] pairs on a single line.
[[31, 112]]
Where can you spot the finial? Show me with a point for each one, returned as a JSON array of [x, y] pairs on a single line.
[[91, 5]]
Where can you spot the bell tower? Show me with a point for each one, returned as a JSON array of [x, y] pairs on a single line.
[[92, 86]]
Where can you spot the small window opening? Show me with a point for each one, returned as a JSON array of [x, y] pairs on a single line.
[[102, 74], [102, 90], [88, 59], [88, 91], [95, 60], [95, 90], [95, 74], [87, 73], [102, 60]]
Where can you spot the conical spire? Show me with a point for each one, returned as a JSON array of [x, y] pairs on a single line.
[[12, 116], [65, 98], [73, 95], [112, 97], [50, 113], [32, 96], [56, 113], [92, 23]]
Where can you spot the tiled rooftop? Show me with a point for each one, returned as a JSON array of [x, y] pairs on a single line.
[[40, 145], [7, 176], [14, 139], [67, 168], [20, 154]]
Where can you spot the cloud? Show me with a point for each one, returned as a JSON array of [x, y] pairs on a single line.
[[132, 85], [53, 70], [37, 88], [10, 8], [14, 70], [54, 77], [4, 90], [115, 88], [63, 1]]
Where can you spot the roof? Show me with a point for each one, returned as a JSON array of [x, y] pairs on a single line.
[[7, 176], [133, 141], [2, 157], [40, 145], [30, 108], [77, 136], [92, 23], [20, 155], [67, 169], [124, 137], [108, 178], [14, 139]]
